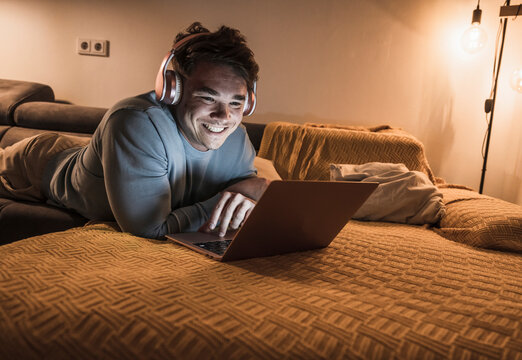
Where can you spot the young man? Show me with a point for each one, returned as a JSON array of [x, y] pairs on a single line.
[[157, 168]]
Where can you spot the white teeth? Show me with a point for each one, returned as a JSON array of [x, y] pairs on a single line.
[[215, 129]]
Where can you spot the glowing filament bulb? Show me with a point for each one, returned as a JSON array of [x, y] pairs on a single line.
[[474, 39]]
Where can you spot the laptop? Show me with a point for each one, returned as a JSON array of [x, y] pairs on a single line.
[[290, 216]]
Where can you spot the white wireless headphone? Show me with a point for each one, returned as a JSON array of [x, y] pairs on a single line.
[[169, 86]]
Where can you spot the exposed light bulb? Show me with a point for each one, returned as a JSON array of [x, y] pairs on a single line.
[[516, 80], [474, 38]]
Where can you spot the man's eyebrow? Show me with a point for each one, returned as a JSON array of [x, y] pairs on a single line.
[[210, 91], [207, 90]]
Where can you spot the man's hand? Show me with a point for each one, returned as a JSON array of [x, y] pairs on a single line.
[[235, 205], [230, 212]]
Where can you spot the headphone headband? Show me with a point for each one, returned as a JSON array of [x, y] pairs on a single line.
[[187, 39]]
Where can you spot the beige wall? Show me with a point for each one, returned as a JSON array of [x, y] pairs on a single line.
[[362, 62]]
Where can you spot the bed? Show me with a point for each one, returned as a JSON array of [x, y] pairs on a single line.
[[381, 290]]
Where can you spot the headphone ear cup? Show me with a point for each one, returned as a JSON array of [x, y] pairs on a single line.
[[168, 82], [161, 83], [168, 86], [246, 104], [173, 88], [250, 103]]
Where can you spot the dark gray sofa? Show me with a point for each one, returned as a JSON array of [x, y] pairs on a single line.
[[27, 109]]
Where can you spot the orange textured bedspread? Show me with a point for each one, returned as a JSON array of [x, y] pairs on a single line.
[[380, 290]]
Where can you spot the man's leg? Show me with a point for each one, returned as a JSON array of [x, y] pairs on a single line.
[[22, 164]]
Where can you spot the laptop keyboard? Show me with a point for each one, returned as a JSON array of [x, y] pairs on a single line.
[[217, 247]]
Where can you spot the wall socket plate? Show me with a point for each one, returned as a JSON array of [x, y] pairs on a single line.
[[100, 47], [94, 47], [83, 46]]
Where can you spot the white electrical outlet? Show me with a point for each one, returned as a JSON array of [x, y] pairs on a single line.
[[92, 47], [83, 46], [99, 47]]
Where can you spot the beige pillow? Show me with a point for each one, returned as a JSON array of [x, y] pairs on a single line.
[[265, 169], [403, 196], [481, 221]]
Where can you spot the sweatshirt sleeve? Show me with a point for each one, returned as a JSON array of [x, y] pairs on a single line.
[[135, 167]]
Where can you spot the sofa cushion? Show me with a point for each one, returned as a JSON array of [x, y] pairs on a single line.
[[3, 130], [13, 93], [20, 220], [60, 117]]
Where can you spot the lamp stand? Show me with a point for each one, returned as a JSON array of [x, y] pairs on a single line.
[[490, 104]]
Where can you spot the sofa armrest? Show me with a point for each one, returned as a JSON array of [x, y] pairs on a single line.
[[304, 152], [14, 93], [481, 221]]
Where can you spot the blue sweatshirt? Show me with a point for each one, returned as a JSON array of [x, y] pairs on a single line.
[[139, 170]]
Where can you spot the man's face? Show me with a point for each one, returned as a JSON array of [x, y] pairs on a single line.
[[211, 107]]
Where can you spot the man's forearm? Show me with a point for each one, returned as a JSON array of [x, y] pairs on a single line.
[[252, 187]]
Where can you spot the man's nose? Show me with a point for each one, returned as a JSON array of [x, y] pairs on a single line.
[[221, 111]]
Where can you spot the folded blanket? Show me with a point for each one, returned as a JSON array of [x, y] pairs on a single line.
[[403, 196], [305, 152]]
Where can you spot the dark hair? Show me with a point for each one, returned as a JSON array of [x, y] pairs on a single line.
[[226, 46]]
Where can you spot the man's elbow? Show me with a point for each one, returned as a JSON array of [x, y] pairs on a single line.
[[149, 232]]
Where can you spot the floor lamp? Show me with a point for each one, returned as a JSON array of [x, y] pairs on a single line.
[[506, 11]]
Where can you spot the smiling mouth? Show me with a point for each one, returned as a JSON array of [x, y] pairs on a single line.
[[214, 128]]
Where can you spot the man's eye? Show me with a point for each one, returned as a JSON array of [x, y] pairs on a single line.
[[236, 104], [207, 99]]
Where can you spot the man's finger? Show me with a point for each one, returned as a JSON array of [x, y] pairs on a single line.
[[249, 211], [240, 213], [218, 209], [229, 211]]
